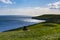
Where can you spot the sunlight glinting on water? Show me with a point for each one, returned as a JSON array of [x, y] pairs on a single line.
[[33, 20]]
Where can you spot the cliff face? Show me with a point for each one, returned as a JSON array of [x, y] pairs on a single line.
[[49, 18]]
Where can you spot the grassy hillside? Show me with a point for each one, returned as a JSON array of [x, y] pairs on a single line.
[[41, 31], [51, 18], [47, 16]]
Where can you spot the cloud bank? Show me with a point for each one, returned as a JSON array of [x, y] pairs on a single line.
[[55, 5], [28, 11], [6, 1]]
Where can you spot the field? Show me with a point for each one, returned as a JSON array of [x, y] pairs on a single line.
[[40, 31]]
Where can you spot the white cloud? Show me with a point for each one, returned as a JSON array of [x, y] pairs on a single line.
[[55, 5], [28, 11], [6, 1]]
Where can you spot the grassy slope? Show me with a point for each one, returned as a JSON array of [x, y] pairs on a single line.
[[47, 17], [51, 18], [37, 32]]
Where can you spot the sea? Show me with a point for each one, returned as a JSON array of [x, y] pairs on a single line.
[[9, 22]]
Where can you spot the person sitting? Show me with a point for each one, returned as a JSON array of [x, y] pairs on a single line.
[[25, 28]]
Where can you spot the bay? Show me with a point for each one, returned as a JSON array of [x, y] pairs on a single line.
[[9, 22]]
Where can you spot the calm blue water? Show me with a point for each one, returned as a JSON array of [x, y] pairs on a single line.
[[13, 22]]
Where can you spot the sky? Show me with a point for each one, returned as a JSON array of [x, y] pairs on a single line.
[[29, 7]]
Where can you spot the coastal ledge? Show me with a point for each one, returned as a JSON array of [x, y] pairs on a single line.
[[21, 28], [51, 18]]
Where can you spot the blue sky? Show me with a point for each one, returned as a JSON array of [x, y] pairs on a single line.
[[27, 3], [16, 5]]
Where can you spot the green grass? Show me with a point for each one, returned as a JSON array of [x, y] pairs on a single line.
[[37, 32]]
